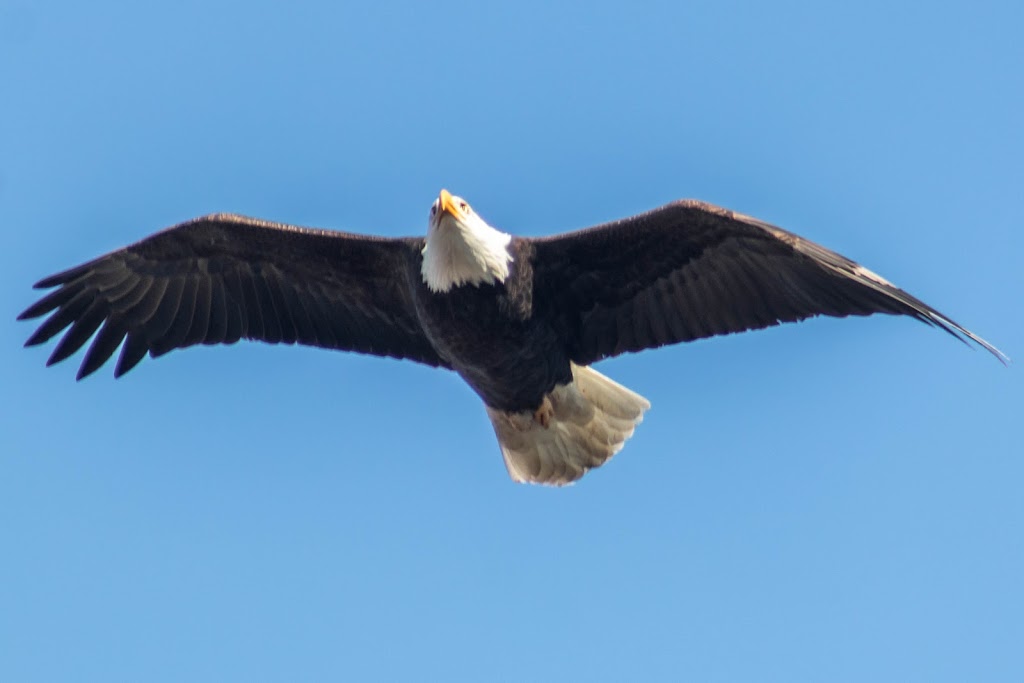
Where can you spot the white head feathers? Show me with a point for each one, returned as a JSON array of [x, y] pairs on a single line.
[[461, 248]]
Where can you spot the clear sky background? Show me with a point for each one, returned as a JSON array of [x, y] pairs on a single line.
[[836, 500]]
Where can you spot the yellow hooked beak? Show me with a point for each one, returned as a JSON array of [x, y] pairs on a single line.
[[449, 205]]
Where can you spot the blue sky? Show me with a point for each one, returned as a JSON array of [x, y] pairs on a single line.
[[836, 500]]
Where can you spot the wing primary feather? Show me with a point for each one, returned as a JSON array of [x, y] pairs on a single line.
[[103, 264], [64, 316], [913, 306], [133, 351], [102, 348], [63, 277], [84, 327], [51, 301]]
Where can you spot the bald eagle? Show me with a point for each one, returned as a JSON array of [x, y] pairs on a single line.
[[519, 319]]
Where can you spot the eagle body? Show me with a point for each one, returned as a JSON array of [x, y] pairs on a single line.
[[521, 320], [489, 334]]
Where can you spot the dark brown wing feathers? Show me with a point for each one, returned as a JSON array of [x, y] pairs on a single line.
[[691, 270], [221, 278], [682, 272]]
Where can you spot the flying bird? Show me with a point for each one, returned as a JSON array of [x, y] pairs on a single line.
[[521, 320]]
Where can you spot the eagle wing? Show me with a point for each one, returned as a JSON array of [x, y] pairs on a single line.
[[690, 270], [221, 278]]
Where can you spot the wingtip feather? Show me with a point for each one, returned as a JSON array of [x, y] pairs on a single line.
[[1000, 356], [963, 335]]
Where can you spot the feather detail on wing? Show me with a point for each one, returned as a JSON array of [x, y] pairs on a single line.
[[691, 270], [221, 278]]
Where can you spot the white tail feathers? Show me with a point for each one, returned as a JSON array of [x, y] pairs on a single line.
[[590, 420]]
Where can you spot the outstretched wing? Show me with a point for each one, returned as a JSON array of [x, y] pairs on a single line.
[[221, 278], [690, 270]]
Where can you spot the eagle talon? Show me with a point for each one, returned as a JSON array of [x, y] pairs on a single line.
[[544, 413]]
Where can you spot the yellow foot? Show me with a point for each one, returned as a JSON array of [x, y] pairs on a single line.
[[543, 415]]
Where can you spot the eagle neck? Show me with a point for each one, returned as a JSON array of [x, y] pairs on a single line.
[[464, 252]]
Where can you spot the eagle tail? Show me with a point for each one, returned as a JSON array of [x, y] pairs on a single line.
[[587, 422]]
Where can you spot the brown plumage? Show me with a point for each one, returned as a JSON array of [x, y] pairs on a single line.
[[518, 318], [221, 278], [690, 270]]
